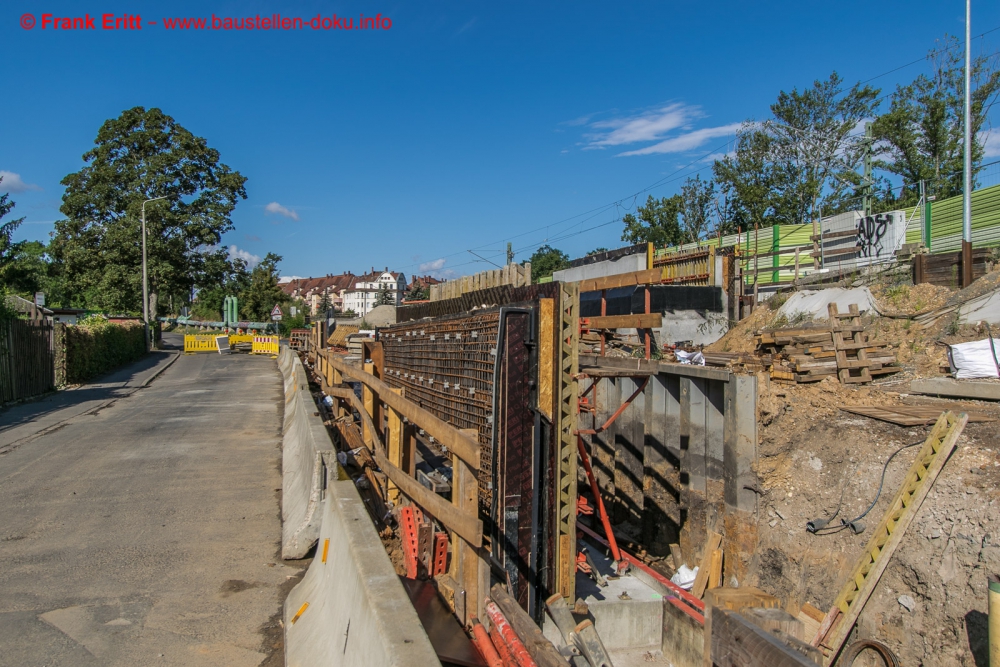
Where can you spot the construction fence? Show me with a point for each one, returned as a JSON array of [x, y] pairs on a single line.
[[515, 275]]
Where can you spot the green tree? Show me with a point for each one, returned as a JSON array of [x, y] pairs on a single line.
[[8, 248], [547, 260], [656, 223], [29, 271], [262, 292], [385, 298], [751, 184], [816, 147], [140, 155], [597, 251], [222, 276], [696, 207], [920, 137], [325, 303], [418, 292]]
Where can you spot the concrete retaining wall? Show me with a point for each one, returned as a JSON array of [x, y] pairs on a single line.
[[304, 440]]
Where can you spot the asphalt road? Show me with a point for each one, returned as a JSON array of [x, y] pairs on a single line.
[[145, 530]]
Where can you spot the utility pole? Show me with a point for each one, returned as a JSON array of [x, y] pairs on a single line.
[[967, 148], [510, 254], [869, 185]]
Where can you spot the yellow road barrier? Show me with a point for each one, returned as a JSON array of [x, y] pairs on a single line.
[[264, 345], [200, 343], [237, 339]]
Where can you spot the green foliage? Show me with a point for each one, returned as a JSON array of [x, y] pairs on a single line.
[[262, 293], [656, 223], [325, 303], [289, 322], [8, 249], [418, 293], [920, 137], [597, 251], [95, 346], [224, 277], [385, 298], [696, 202], [140, 155], [546, 260]]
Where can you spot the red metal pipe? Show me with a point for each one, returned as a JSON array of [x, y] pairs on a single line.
[[611, 420], [674, 588], [600, 501], [484, 645], [518, 652]]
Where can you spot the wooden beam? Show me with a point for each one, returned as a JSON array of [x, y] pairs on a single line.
[[394, 446], [649, 276], [446, 434], [468, 526], [642, 321], [733, 641]]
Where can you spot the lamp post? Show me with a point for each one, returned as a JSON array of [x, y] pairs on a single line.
[[145, 285], [967, 155]]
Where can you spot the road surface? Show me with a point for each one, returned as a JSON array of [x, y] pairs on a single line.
[[141, 525]]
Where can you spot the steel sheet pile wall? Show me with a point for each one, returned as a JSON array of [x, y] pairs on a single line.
[[447, 367]]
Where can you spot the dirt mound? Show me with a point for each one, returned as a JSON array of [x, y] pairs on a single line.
[[902, 300]]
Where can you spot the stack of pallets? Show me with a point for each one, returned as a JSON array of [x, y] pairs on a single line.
[[840, 349]]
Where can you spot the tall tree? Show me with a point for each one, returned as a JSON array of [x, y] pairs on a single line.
[[749, 182], [816, 143], [262, 292], [697, 197], [920, 137], [221, 276], [547, 260], [140, 155], [8, 248], [656, 223]]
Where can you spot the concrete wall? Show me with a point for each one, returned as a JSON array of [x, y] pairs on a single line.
[[359, 615], [350, 608], [304, 440], [601, 269], [699, 314]]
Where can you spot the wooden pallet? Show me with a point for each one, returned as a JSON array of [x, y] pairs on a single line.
[[857, 344]]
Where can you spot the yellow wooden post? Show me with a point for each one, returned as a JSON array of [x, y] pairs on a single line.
[[467, 568], [368, 397], [394, 447]]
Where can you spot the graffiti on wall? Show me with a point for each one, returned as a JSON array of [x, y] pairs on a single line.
[[872, 235]]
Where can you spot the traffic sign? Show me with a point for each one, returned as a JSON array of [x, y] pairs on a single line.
[[276, 313]]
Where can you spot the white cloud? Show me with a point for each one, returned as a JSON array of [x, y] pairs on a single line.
[[275, 207], [287, 279], [991, 143], [436, 269], [248, 257], [646, 126], [12, 183], [687, 141]]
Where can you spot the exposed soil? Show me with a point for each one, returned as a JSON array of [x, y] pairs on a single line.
[[813, 459]]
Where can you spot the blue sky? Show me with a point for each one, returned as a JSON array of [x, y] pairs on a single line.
[[463, 126]]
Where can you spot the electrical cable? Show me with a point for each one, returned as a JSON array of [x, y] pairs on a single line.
[[819, 524], [853, 523]]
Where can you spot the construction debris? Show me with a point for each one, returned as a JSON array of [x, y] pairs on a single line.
[[813, 352]]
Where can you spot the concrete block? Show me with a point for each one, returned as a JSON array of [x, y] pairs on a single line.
[[627, 612]]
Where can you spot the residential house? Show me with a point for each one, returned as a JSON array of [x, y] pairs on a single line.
[[364, 295]]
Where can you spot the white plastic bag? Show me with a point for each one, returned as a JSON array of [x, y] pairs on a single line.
[[684, 577], [975, 359], [693, 358]]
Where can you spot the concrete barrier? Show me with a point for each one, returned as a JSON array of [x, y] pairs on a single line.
[[304, 441], [351, 608]]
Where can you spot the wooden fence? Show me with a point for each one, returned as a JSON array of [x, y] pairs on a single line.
[[27, 358], [516, 275], [945, 269]]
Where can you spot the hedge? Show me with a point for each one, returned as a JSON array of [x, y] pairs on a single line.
[[96, 346]]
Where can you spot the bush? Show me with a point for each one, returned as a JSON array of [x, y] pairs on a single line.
[[96, 346]]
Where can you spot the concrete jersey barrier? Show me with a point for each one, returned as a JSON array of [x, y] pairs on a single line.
[[304, 441], [351, 608]]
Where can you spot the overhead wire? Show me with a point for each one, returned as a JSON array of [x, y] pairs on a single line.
[[668, 179]]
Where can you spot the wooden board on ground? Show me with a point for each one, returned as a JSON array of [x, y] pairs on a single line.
[[907, 415], [701, 579]]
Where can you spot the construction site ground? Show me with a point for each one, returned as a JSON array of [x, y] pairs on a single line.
[[814, 458]]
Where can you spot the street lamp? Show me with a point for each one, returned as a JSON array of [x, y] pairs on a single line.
[[145, 286]]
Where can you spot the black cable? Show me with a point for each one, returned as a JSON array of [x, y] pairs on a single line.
[[853, 521], [819, 524]]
